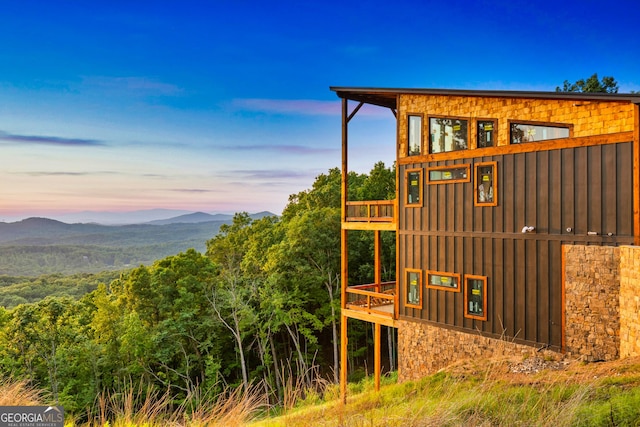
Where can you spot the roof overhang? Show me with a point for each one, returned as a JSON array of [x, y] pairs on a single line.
[[388, 97]]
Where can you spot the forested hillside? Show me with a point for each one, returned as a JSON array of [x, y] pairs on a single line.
[[260, 307], [37, 246]]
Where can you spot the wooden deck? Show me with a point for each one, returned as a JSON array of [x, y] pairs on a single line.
[[372, 303]]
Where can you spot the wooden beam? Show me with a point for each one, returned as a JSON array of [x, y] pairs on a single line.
[[527, 147], [376, 357], [636, 175], [344, 341], [377, 263]]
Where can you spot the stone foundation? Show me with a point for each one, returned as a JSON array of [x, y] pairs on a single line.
[[424, 348], [629, 301], [592, 302]]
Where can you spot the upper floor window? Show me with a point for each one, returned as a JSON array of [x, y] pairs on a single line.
[[413, 179], [486, 131], [415, 135], [447, 134], [531, 132]]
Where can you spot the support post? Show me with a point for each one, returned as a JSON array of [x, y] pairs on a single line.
[[344, 340], [377, 356]]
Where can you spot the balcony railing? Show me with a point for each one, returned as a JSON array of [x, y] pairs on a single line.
[[375, 298], [371, 211]]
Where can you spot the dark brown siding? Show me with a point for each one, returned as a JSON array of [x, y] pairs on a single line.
[[567, 194]]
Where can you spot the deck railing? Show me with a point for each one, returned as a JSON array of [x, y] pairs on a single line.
[[378, 298], [371, 211]]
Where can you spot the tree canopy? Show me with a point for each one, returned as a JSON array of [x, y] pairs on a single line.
[[260, 307], [607, 85]]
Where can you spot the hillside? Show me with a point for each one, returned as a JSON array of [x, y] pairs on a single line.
[[528, 391], [36, 246]]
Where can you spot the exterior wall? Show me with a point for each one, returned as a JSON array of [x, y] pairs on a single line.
[[423, 349], [592, 305], [629, 301], [588, 118]]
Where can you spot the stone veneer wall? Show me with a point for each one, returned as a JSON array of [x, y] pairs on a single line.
[[629, 301], [424, 348], [592, 302]]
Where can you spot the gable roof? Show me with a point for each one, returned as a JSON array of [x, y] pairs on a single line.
[[388, 97]]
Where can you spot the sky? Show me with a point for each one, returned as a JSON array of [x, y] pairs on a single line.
[[224, 106]]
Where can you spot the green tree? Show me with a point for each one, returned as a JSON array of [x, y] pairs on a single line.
[[592, 84]]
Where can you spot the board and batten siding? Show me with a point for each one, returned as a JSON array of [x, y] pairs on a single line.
[[576, 195]]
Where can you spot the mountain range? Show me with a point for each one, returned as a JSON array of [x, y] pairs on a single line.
[[36, 246]]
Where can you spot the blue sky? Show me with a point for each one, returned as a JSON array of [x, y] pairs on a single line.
[[224, 106]]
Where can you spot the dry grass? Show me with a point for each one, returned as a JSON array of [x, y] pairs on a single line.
[[149, 409], [498, 392], [19, 393]]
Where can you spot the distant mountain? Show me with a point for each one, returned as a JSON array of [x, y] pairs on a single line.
[[198, 217], [120, 218], [36, 246], [192, 218]]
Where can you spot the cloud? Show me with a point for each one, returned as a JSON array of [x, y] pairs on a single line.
[[67, 173], [269, 174], [131, 85], [306, 107], [193, 190], [50, 140], [279, 148]]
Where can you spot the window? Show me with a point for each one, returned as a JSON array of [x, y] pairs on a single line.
[[444, 281], [414, 288], [475, 297], [486, 133], [415, 135], [532, 132], [448, 174], [414, 187], [447, 134], [486, 179]]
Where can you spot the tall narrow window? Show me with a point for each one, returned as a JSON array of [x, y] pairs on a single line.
[[533, 132], [486, 188], [486, 133], [414, 288], [447, 134], [475, 297], [414, 187], [415, 135]]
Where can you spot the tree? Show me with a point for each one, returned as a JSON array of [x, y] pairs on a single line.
[[592, 84]]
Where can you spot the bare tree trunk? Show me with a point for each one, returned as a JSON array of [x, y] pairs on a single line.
[[278, 373], [334, 327], [303, 363], [390, 341]]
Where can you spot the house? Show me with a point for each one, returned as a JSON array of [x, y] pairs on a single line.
[[517, 221]]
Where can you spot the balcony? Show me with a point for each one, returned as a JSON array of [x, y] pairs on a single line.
[[373, 302], [370, 215]]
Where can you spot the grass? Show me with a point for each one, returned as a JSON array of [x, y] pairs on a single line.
[[486, 393], [489, 394]]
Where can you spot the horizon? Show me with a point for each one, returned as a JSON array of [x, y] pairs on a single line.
[[123, 217], [226, 107]]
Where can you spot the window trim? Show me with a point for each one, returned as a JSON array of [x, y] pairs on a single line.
[[420, 280], [445, 274], [476, 177], [420, 188], [421, 151], [495, 133], [468, 137], [449, 181], [468, 315], [511, 122]]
